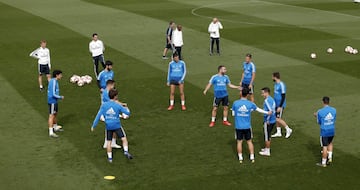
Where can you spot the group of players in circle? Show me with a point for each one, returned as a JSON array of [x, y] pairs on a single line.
[[111, 109]]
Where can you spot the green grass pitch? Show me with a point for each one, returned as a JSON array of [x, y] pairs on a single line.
[[176, 150]]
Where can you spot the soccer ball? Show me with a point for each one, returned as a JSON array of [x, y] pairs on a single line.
[[355, 51], [74, 79], [80, 83], [313, 56], [348, 49], [88, 79], [330, 50]]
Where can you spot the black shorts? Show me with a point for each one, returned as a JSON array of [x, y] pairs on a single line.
[[223, 100], [119, 132], [251, 90], [44, 69], [174, 82], [325, 141], [53, 108], [267, 130], [242, 134], [279, 114]]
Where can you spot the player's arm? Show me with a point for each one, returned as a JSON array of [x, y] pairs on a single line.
[[242, 78], [263, 111], [103, 46], [90, 49], [220, 25], [207, 88], [98, 81], [49, 60], [96, 120], [233, 86], [168, 75], [184, 74], [57, 96], [34, 54], [252, 79]]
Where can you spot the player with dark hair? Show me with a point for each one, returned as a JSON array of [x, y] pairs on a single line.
[[97, 48], [220, 81], [248, 75], [105, 75], [43, 55], [269, 119], [111, 111], [176, 76], [241, 110], [53, 97], [280, 101], [326, 118], [169, 44]]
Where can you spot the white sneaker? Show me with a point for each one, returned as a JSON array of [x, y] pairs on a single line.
[[54, 135], [115, 146], [288, 133], [264, 153], [276, 135]]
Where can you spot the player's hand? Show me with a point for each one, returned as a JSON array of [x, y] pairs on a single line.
[[92, 129], [270, 112], [204, 92], [315, 114], [62, 97], [168, 84], [250, 86], [279, 109]]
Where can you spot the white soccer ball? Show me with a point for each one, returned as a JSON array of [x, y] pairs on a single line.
[[348, 49], [330, 50], [88, 79], [313, 56], [80, 83], [355, 51], [74, 79]]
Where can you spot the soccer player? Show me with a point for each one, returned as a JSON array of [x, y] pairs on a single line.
[[110, 84], [169, 44], [105, 75], [44, 65], [220, 81], [53, 97], [280, 101], [241, 110], [177, 40], [269, 119], [176, 76], [97, 48], [111, 110], [214, 30], [248, 75], [326, 118]]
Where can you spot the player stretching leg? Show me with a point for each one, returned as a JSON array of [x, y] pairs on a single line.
[[175, 77], [111, 111], [280, 101], [43, 56], [241, 110], [269, 119], [220, 81], [53, 97], [326, 118]]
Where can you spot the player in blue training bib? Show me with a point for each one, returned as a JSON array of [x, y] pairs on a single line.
[[248, 75], [176, 76], [220, 82], [326, 118], [105, 75]]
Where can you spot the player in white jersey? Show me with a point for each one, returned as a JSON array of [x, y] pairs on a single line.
[[43, 55], [97, 48]]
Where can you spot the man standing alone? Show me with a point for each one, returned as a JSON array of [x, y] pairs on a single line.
[[97, 48], [213, 29]]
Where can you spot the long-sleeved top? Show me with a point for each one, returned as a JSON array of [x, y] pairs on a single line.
[[53, 91], [214, 29], [42, 54], [177, 38], [96, 48]]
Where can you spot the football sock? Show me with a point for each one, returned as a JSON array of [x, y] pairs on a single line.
[[330, 155], [323, 161], [55, 126], [287, 127], [41, 86], [213, 119], [225, 118], [171, 102], [252, 157], [113, 141], [109, 154], [126, 149], [278, 129], [240, 156], [183, 102], [51, 131]]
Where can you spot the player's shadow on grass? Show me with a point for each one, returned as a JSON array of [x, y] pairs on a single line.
[[315, 149]]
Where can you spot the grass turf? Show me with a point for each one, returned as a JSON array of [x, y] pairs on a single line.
[[172, 149]]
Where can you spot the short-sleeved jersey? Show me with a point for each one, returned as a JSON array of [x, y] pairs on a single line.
[[248, 69], [53, 91], [176, 71], [104, 76], [242, 112], [105, 96], [111, 111], [220, 83], [169, 32], [279, 89], [326, 118], [269, 105]]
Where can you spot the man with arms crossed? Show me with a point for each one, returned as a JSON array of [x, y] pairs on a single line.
[[326, 118], [280, 101], [44, 66], [220, 82], [53, 97], [241, 110], [97, 48]]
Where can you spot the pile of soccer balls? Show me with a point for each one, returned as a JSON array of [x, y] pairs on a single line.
[[81, 80], [348, 49]]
